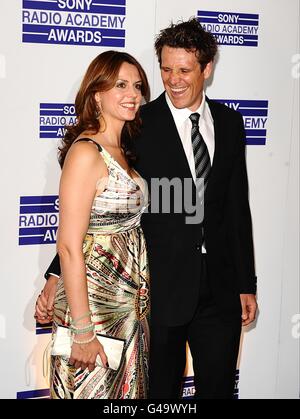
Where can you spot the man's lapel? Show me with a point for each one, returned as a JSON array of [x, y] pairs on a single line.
[[217, 138], [172, 141]]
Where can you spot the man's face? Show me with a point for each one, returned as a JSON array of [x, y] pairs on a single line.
[[182, 77]]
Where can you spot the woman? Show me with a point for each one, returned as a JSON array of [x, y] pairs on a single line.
[[104, 286]]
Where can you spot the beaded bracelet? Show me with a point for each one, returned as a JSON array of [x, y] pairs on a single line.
[[83, 326], [80, 342], [74, 321], [83, 330]]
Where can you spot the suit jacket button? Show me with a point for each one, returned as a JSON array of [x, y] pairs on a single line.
[[198, 246]]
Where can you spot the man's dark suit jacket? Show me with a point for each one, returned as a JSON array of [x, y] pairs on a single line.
[[174, 247]]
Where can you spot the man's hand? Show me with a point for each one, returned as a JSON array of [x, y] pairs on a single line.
[[44, 304], [249, 307]]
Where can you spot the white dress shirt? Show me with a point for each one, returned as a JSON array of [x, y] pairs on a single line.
[[184, 128]]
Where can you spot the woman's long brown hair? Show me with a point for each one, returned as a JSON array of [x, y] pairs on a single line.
[[101, 76]]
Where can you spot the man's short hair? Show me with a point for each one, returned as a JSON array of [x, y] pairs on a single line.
[[191, 36]]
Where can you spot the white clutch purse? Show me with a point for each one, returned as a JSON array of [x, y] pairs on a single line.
[[113, 347]]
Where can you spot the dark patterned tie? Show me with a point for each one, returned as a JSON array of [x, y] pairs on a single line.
[[201, 155]]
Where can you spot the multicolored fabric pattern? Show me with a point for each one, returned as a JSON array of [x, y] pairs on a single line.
[[118, 290]]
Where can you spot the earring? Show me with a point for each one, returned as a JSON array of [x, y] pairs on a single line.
[[99, 110], [97, 113]]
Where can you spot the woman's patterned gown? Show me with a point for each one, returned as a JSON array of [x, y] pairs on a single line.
[[118, 291]]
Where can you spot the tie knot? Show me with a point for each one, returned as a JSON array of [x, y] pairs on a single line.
[[194, 117]]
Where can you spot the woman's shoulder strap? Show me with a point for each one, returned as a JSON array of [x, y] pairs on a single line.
[[91, 141]]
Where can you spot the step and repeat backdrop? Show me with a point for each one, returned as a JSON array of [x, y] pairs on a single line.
[[45, 48]]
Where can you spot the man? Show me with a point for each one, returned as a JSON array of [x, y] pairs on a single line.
[[203, 282]]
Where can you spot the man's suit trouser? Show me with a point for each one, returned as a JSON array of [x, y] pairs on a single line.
[[213, 336]]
